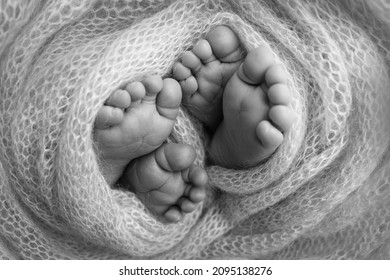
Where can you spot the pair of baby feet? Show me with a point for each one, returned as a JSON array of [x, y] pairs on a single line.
[[130, 131], [242, 101]]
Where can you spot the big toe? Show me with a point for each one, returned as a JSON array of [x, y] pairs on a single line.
[[224, 43], [169, 99], [255, 66]]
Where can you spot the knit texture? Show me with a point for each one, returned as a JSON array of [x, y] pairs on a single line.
[[324, 194]]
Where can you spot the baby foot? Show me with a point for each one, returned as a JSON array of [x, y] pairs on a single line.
[[256, 111], [204, 71], [135, 121], [244, 104], [167, 181]]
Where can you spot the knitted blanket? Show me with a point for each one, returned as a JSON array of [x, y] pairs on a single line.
[[324, 194]]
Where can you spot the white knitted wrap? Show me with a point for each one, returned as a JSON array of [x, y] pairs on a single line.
[[324, 194]]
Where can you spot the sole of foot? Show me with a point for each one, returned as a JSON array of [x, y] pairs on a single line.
[[256, 112]]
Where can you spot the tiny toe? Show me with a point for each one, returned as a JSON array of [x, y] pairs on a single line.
[[269, 136], [119, 98], [173, 215], [276, 74], [189, 86], [279, 94], [281, 116], [136, 91], [255, 65], [190, 60], [108, 116], [153, 85], [169, 99], [198, 177], [186, 205], [203, 51], [180, 72]]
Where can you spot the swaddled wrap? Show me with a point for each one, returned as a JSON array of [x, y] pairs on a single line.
[[324, 194]]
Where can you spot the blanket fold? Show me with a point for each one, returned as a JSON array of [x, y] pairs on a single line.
[[324, 194]]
